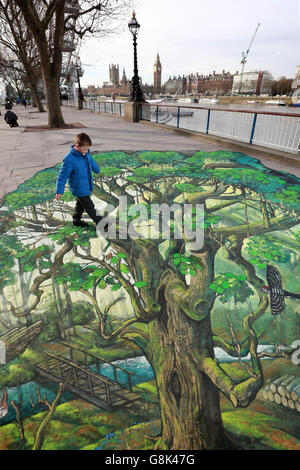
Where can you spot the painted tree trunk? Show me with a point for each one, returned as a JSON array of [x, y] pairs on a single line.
[[6, 309], [59, 322], [24, 293], [189, 401], [70, 309]]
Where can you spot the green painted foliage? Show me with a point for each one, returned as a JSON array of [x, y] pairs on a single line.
[[260, 181], [230, 286], [290, 197], [39, 188], [188, 188], [80, 236], [262, 251], [158, 157], [186, 265]]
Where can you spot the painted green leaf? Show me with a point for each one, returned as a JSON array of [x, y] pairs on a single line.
[[116, 286], [124, 268], [140, 284]]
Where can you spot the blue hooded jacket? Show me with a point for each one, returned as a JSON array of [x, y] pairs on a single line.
[[77, 169]]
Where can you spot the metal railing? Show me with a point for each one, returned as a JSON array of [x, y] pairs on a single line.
[[264, 128], [108, 107], [268, 129]]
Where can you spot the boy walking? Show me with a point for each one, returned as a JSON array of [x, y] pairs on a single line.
[[77, 168]]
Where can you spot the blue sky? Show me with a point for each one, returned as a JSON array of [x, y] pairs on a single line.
[[201, 36]]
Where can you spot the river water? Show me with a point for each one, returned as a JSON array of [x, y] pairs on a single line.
[[138, 365], [272, 108]]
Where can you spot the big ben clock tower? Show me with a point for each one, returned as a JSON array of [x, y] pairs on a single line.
[[157, 75]]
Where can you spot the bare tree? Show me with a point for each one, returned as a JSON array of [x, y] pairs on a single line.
[[50, 20], [20, 59], [11, 74], [282, 86]]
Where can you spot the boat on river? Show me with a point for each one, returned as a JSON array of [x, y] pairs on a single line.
[[208, 101], [278, 102]]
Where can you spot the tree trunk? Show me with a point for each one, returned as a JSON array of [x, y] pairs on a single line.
[[36, 101], [69, 306], [189, 401], [24, 293], [59, 322], [55, 117], [6, 309], [50, 63], [33, 101]]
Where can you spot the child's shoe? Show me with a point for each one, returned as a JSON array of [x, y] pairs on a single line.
[[80, 223]]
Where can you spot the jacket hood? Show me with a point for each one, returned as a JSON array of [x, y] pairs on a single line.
[[75, 152]]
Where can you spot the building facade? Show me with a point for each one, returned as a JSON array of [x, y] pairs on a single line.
[[199, 84], [219, 83], [123, 87], [253, 83], [176, 85], [296, 81], [114, 86], [114, 76]]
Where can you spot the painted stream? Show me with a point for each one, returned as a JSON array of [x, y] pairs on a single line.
[[138, 365]]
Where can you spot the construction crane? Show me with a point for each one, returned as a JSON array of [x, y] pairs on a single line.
[[244, 57]]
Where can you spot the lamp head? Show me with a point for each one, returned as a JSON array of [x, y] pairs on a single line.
[[133, 25]]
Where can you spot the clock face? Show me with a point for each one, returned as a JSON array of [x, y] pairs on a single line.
[[158, 69]]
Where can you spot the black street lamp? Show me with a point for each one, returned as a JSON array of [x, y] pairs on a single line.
[[136, 91], [77, 67]]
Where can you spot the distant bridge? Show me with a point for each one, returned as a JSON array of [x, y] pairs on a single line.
[[92, 386]]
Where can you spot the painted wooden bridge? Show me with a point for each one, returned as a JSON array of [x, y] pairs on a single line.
[[85, 382]]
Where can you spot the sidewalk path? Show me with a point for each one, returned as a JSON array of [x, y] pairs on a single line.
[[25, 153]]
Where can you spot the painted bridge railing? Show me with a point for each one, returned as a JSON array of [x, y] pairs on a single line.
[[268, 129], [108, 107]]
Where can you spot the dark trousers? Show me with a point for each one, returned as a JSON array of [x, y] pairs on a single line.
[[86, 204]]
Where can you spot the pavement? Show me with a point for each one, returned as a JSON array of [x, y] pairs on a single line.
[[25, 153]]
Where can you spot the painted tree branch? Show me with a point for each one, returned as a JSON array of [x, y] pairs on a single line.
[[19, 420], [40, 435], [35, 288], [146, 313], [258, 228], [240, 394]]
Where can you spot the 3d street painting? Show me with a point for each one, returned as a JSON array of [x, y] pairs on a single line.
[[151, 342]]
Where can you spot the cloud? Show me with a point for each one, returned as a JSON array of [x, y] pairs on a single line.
[[201, 36]]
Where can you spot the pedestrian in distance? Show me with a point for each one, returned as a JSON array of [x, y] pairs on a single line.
[[8, 104], [77, 169], [11, 118], [24, 103]]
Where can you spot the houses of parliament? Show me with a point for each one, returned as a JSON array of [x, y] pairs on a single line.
[[122, 87], [192, 84]]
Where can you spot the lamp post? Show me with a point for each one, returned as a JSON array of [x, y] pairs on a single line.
[[136, 94], [80, 97]]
